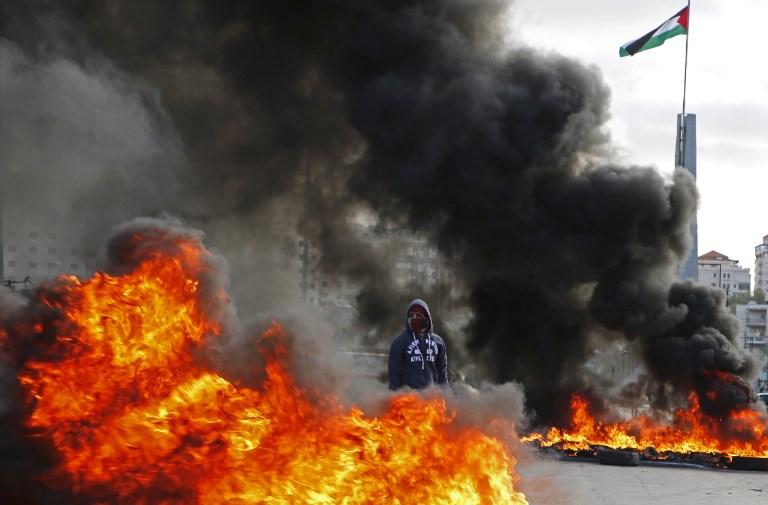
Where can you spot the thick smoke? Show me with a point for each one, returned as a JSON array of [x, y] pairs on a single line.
[[495, 154], [264, 137], [417, 111]]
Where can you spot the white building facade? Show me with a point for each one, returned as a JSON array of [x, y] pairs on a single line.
[[761, 266], [753, 320], [717, 269]]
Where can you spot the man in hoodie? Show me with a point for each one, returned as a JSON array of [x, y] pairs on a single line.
[[417, 358]]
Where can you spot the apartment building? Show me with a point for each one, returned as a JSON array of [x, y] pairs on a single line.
[[717, 269]]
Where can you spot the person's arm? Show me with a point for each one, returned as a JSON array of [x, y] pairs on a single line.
[[442, 365], [395, 365]]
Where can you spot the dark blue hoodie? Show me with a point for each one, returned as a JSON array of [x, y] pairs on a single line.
[[406, 364]]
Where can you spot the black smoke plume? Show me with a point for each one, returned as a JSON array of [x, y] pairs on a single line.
[[420, 112]]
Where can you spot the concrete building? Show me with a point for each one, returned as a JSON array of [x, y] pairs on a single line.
[[685, 156], [753, 320], [717, 269], [413, 263], [416, 261], [761, 266], [35, 249]]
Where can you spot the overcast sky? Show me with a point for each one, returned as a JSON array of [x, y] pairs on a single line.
[[727, 90]]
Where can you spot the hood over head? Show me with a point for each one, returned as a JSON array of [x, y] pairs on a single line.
[[421, 303]]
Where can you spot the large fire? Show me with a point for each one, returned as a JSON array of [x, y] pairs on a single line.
[[135, 418], [743, 432]]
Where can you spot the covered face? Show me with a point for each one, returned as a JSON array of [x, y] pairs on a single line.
[[418, 319]]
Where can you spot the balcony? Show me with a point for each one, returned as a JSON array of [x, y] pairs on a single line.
[[750, 342]]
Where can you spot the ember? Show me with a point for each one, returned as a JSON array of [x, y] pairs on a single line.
[[743, 433], [135, 418]]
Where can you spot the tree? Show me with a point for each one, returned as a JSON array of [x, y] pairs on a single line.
[[758, 296], [739, 299]]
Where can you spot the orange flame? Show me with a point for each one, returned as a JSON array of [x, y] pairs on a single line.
[[743, 433], [136, 419]]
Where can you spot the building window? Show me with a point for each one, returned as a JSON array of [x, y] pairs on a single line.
[[73, 266], [33, 264], [33, 249], [11, 248], [12, 263], [51, 250], [33, 234], [51, 266]]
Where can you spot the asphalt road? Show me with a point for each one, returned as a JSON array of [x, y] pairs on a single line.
[[548, 481]]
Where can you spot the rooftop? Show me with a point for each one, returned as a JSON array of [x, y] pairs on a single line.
[[715, 256]]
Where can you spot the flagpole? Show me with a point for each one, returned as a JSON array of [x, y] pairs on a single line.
[[681, 147], [685, 72]]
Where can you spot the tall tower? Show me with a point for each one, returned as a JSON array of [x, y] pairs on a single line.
[[685, 156], [761, 266]]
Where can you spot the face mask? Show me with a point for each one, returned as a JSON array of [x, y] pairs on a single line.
[[417, 322]]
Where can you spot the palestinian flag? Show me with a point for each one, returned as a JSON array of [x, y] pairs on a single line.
[[676, 25]]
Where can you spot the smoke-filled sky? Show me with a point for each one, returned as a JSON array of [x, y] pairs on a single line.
[[727, 87], [419, 113]]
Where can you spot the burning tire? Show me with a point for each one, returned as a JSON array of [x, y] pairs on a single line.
[[749, 463], [618, 458]]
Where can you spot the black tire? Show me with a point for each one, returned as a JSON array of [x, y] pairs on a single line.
[[749, 463], [618, 458]]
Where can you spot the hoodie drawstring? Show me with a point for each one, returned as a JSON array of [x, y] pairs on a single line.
[[429, 346], [416, 340]]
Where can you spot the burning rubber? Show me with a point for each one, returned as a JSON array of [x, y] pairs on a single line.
[[738, 442]]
